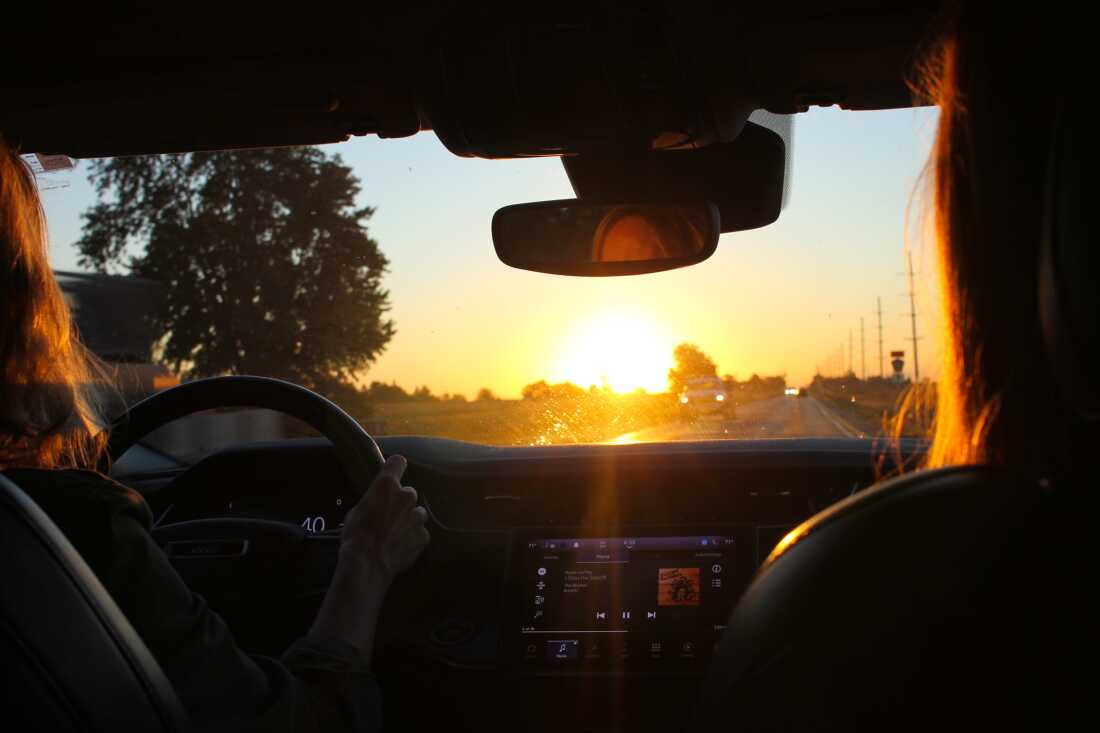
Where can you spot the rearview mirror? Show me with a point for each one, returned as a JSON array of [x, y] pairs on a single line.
[[572, 237]]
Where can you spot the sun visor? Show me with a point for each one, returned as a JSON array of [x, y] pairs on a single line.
[[747, 179]]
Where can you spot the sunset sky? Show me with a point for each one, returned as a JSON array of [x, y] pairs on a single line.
[[779, 300]]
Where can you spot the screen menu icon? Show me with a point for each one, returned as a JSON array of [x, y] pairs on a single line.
[[562, 650]]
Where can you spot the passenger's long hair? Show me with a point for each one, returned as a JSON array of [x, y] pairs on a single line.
[[51, 414], [995, 81]]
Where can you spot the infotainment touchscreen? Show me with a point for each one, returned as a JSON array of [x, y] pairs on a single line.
[[658, 602]]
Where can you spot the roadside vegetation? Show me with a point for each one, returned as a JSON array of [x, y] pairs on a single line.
[[874, 405]]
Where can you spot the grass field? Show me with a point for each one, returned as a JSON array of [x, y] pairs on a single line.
[[593, 418]]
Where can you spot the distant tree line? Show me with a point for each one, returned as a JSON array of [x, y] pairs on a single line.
[[755, 387], [690, 363], [393, 392], [542, 390]]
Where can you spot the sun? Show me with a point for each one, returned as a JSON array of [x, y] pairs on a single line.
[[622, 351]]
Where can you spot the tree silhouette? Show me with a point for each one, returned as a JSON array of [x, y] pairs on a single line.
[[382, 392], [423, 393], [265, 258], [691, 362], [541, 390]]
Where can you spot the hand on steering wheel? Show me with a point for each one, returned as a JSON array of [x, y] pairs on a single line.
[[386, 528]]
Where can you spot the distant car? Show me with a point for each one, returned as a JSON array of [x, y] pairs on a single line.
[[704, 395], [792, 391]]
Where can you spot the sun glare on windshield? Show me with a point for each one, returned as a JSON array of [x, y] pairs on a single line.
[[623, 352]]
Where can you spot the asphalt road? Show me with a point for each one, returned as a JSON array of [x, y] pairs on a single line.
[[778, 417]]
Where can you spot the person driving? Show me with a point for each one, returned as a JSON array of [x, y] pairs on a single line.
[[53, 433]]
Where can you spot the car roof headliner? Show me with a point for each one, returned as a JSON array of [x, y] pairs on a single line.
[[157, 80]]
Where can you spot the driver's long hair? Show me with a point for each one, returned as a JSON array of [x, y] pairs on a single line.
[[50, 413]]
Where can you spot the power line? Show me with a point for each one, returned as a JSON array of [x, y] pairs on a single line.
[[913, 318], [862, 350], [881, 363]]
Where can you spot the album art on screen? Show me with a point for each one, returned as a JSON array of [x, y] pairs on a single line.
[[678, 587]]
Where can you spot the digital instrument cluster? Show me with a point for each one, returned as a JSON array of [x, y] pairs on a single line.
[[315, 511]]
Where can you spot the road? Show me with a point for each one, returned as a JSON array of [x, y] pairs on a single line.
[[777, 417]]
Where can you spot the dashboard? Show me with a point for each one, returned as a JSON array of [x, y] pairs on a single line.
[[600, 573]]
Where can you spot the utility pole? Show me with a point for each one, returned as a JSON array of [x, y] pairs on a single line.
[[862, 351], [881, 363], [913, 318], [850, 369]]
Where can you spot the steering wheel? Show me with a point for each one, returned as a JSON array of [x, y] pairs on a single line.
[[246, 559], [358, 453]]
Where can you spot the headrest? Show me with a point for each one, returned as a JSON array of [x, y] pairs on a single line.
[[1069, 263]]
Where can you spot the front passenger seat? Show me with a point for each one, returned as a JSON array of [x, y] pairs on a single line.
[[71, 660], [958, 598]]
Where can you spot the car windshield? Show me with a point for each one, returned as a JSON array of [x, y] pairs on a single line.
[[366, 271]]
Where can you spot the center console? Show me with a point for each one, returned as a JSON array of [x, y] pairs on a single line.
[[647, 601]]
